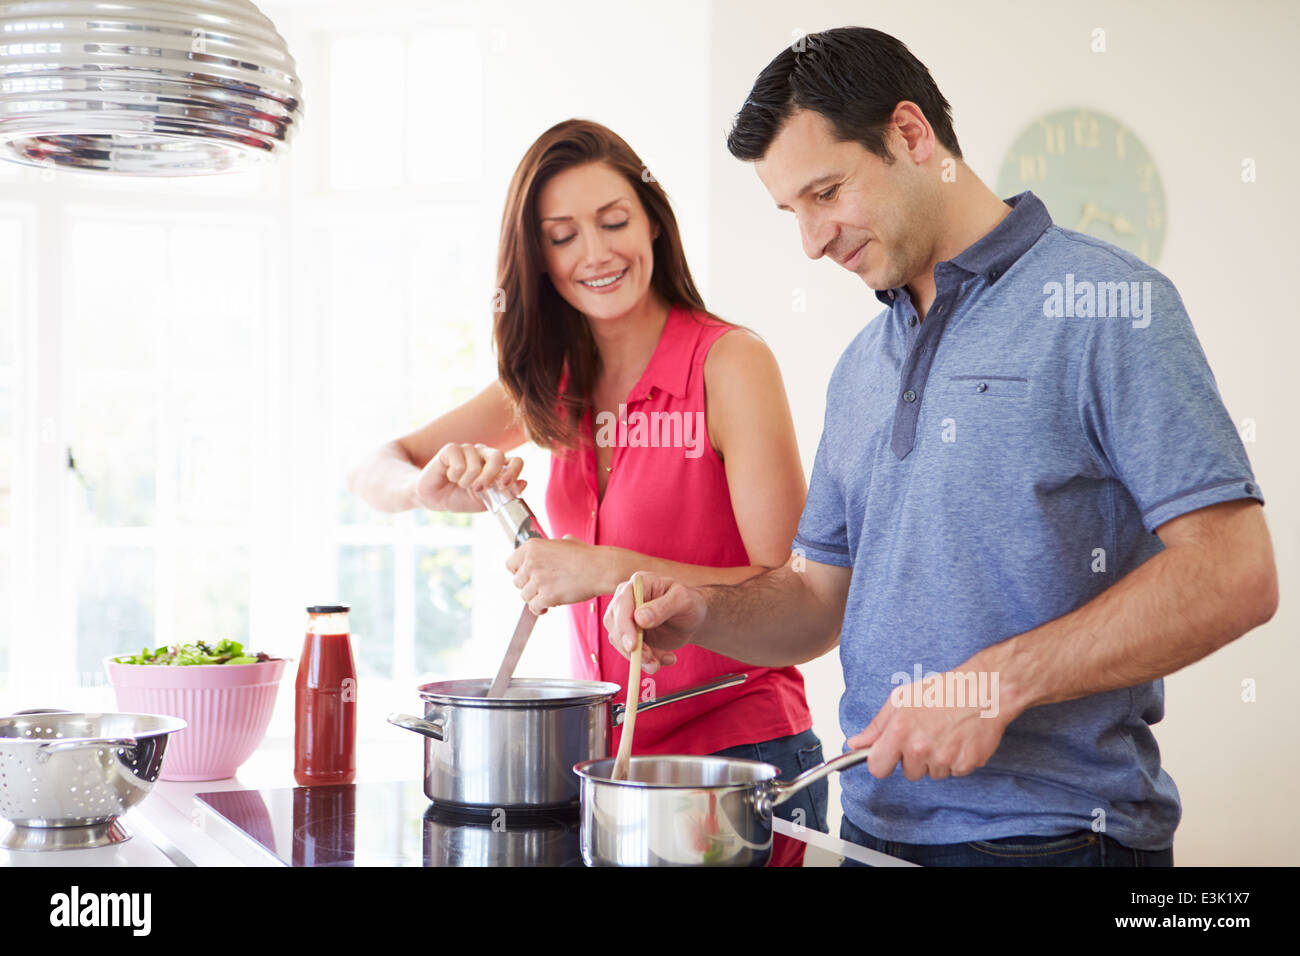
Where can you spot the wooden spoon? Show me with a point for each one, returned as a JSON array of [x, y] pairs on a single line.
[[624, 757]]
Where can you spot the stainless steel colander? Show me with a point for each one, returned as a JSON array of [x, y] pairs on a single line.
[[65, 777]]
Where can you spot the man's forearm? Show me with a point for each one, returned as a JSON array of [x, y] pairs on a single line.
[[774, 619], [1178, 607]]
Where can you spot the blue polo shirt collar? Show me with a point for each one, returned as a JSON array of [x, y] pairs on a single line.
[[992, 255]]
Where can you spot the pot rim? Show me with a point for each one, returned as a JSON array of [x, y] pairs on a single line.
[[453, 693], [767, 772]]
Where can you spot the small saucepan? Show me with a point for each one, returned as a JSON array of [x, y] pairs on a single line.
[[517, 752], [687, 811]]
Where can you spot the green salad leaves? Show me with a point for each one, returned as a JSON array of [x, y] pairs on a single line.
[[226, 652]]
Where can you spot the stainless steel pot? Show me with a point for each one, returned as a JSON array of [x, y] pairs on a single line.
[[67, 777], [533, 839], [687, 811], [517, 752]]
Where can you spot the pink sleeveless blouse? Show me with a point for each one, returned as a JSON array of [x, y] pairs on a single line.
[[667, 496]]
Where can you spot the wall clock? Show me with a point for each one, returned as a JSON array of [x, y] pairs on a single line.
[[1094, 175]]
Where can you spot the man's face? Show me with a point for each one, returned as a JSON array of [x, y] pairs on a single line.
[[875, 219]]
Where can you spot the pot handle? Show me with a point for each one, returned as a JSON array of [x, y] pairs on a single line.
[[781, 792], [429, 728], [726, 680]]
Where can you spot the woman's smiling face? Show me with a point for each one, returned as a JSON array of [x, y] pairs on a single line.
[[597, 240]]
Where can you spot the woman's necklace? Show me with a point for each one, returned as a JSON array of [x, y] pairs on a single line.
[[610, 467]]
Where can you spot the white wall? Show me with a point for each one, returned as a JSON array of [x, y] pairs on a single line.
[[1204, 85]]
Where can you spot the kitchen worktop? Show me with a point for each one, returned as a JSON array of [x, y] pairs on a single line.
[[173, 828]]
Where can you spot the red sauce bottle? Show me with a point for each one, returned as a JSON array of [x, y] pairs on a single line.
[[325, 724]]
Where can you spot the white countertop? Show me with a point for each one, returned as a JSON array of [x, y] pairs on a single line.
[[171, 821], [171, 828]]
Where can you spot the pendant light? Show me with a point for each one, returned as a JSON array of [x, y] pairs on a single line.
[[144, 87]]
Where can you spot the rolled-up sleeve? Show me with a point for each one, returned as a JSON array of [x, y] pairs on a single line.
[[1151, 409]]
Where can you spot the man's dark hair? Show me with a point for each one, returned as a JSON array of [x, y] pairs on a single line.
[[853, 76]]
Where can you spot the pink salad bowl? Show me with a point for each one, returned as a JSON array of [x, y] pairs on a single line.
[[227, 707]]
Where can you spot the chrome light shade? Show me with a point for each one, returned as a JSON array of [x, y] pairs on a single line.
[[144, 87]]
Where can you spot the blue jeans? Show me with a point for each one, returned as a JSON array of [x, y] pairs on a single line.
[[1080, 848], [794, 755]]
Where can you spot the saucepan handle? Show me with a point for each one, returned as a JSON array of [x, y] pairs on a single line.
[[437, 728], [781, 792], [726, 680]]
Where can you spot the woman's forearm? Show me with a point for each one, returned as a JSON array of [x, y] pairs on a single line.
[[622, 564], [385, 480]]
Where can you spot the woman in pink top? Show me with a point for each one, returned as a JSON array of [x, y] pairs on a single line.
[[672, 444]]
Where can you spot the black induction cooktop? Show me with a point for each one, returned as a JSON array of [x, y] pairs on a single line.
[[392, 824]]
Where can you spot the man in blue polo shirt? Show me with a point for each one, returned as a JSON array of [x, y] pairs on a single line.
[[1024, 511]]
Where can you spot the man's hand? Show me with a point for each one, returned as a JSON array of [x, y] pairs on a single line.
[[940, 741], [670, 617]]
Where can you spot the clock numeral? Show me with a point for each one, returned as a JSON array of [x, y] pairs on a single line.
[[1119, 144], [1054, 136], [1086, 130], [1155, 216], [1033, 167], [1144, 249], [1146, 176]]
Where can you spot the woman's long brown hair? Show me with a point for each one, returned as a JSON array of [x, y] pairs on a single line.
[[538, 334]]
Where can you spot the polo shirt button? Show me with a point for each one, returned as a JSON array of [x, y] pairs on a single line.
[[593, 658], [909, 396], [981, 387], [1250, 489], [911, 320]]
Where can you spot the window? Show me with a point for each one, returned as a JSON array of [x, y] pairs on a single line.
[[203, 359], [165, 374], [406, 108], [12, 308]]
